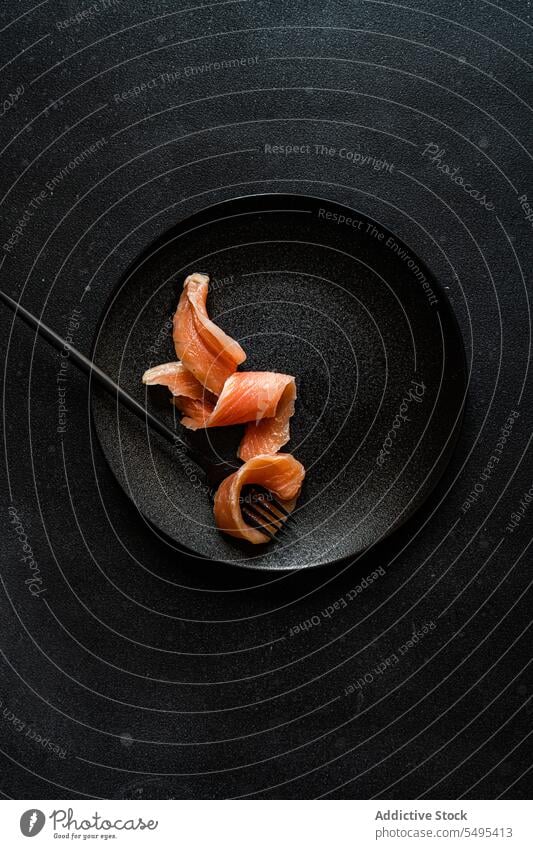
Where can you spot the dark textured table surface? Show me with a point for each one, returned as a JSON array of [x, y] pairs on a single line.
[[129, 673]]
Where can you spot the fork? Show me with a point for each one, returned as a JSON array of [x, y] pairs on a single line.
[[259, 507]]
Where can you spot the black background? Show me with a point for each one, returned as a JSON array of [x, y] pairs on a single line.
[[158, 678]]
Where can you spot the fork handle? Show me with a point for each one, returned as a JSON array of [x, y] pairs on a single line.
[[89, 367], [214, 469]]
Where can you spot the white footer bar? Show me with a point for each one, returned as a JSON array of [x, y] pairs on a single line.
[[254, 824]]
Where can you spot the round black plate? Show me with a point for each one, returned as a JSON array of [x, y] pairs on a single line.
[[322, 292]]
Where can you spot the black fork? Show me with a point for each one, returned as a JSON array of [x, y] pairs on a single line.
[[259, 507]]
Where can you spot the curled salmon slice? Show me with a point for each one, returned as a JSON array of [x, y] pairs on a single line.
[[282, 474], [190, 397], [203, 348], [249, 396], [264, 400], [268, 434]]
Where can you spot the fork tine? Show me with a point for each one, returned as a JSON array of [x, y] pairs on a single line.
[[257, 500], [278, 524], [273, 501], [264, 510], [268, 517], [252, 521]]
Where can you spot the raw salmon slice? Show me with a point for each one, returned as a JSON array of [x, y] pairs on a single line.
[[264, 400], [268, 435], [203, 348], [190, 397], [195, 412], [179, 380], [282, 474]]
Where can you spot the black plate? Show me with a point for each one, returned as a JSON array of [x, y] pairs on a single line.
[[322, 292]]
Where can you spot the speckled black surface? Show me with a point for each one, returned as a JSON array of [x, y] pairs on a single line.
[[158, 676], [312, 289]]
